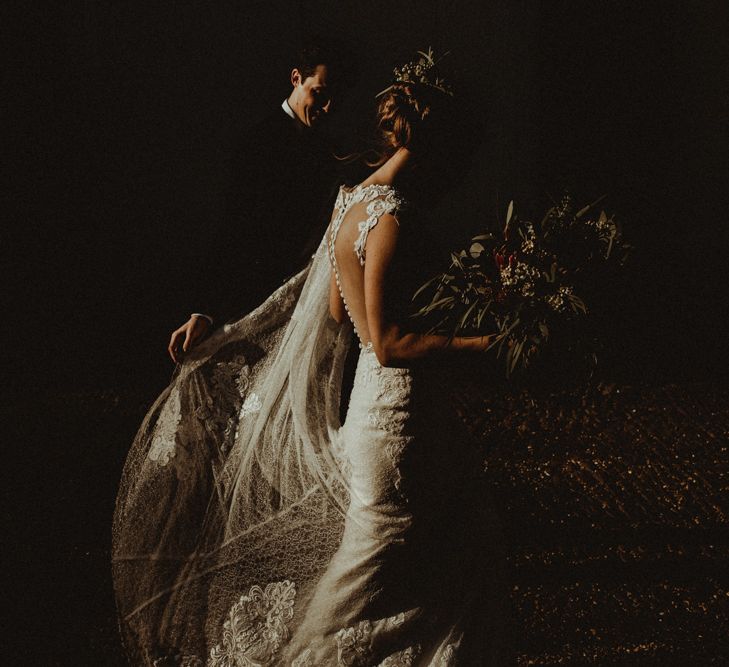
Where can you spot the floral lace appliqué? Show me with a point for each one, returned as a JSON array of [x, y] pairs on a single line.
[[256, 627], [164, 440], [304, 660], [394, 386], [341, 199], [396, 621], [391, 411], [375, 418], [228, 383], [404, 658], [375, 210], [448, 657], [353, 645], [395, 449], [251, 405]]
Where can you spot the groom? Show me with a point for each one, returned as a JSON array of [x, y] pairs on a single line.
[[279, 203]]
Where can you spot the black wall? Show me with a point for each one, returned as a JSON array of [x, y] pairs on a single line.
[[122, 117]]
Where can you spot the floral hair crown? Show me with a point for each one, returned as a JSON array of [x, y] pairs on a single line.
[[423, 71]]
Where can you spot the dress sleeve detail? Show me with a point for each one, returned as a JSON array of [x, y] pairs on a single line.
[[388, 203]]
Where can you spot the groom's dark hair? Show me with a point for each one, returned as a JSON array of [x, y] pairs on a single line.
[[326, 52]]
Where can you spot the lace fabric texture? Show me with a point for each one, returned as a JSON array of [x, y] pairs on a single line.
[[252, 528]]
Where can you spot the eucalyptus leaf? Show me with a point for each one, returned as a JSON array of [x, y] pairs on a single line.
[[464, 319], [515, 354], [438, 303], [483, 312], [610, 246], [423, 287], [509, 213]]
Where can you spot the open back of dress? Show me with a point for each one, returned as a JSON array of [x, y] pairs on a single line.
[[356, 213]]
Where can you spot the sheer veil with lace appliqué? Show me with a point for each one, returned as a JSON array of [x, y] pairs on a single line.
[[233, 478]]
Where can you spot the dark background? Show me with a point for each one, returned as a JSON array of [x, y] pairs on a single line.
[[123, 116], [120, 121]]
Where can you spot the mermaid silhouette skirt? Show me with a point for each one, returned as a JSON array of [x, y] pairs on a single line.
[[415, 580]]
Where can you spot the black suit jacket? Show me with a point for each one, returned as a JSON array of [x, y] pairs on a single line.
[[283, 184]]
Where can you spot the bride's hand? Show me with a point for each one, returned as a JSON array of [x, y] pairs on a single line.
[[190, 334]]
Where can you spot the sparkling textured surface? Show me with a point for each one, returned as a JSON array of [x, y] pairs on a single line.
[[613, 502]]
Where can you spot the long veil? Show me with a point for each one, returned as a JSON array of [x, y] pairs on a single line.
[[233, 494]]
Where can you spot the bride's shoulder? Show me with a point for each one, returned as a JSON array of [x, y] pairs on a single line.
[[379, 198]]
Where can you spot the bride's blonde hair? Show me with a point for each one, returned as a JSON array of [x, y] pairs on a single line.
[[422, 119], [406, 116], [402, 109]]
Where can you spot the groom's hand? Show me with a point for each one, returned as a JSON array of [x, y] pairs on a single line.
[[188, 334]]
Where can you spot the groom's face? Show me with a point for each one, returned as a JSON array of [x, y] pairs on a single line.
[[311, 98]]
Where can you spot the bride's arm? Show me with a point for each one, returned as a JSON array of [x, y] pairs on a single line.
[[391, 345]]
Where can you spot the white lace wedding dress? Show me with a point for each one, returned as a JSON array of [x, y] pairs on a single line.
[[299, 542]]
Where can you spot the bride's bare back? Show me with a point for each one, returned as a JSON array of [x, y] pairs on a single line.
[[360, 284], [365, 225]]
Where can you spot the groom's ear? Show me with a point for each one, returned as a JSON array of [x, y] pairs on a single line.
[[296, 78]]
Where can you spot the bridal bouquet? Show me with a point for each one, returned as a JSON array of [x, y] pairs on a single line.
[[529, 283]]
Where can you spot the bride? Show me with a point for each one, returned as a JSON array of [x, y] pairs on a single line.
[[252, 528]]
